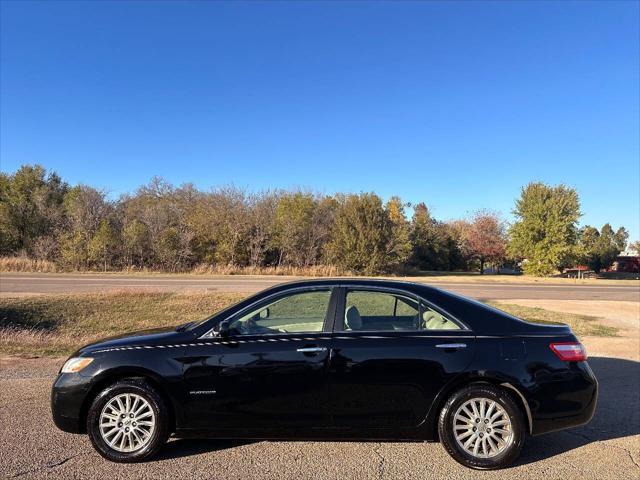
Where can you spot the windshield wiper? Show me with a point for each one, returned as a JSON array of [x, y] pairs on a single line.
[[183, 327]]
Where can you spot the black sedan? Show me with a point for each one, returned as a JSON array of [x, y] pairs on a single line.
[[333, 359]]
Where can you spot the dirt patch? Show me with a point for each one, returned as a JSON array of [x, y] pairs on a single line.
[[622, 315], [619, 314]]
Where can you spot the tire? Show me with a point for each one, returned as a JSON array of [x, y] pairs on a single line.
[[501, 414], [145, 433]]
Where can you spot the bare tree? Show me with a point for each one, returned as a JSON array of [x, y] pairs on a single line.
[[262, 212]]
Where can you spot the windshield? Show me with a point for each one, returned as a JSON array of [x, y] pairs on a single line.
[[197, 323]]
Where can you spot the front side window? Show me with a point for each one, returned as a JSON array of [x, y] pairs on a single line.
[[296, 313], [386, 311]]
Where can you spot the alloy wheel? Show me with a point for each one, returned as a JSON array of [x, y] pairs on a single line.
[[127, 422], [482, 428]]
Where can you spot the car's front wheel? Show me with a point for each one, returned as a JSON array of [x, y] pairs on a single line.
[[482, 427], [128, 421]]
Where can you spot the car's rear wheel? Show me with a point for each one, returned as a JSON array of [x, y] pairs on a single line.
[[481, 426], [128, 421]]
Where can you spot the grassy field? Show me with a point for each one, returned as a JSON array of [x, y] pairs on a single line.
[[58, 324]]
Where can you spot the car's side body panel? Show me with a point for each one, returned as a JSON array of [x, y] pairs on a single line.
[[388, 380], [257, 382], [385, 381]]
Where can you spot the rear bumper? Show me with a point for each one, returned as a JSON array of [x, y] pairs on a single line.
[[566, 402], [67, 400]]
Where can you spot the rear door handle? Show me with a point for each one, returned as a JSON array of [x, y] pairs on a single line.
[[311, 349], [452, 345]]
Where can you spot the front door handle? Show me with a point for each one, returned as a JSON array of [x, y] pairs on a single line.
[[452, 345], [311, 349]]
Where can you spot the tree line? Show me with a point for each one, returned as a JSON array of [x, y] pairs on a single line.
[[168, 228]]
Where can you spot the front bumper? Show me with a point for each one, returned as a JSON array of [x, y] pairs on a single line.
[[68, 396]]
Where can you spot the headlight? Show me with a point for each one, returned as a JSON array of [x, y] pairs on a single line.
[[75, 364]]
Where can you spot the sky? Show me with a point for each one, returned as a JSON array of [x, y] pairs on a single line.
[[455, 104]]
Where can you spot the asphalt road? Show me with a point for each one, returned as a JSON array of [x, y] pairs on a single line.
[[31, 446], [31, 283]]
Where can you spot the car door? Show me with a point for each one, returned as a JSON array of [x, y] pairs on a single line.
[[392, 354], [269, 371]]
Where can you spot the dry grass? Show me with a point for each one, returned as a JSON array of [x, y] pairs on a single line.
[[470, 277], [580, 324], [29, 342], [311, 271], [24, 264], [59, 324]]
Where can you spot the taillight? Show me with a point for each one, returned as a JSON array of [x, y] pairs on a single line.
[[569, 351]]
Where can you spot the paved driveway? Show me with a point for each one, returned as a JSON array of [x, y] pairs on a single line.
[[31, 447]]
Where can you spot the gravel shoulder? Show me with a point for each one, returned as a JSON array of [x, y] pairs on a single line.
[[609, 447]]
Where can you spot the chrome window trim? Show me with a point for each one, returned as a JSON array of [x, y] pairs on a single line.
[[411, 334], [211, 333], [418, 298]]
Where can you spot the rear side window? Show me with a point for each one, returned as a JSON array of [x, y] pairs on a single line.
[[388, 312], [380, 311], [433, 320]]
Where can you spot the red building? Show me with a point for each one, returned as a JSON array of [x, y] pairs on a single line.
[[626, 263]]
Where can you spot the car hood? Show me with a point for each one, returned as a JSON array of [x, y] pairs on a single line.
[[154, 336]]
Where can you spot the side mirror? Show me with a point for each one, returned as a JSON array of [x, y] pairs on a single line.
[[223, 328], [264, 313]]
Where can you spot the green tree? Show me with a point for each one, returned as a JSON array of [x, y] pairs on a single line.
[[360, 234], [293, 229], [230, 226], [85, 208], [545, 232], [202, 220], [74, 253], [30, 207], [321, 225], [589, 237], [426, 251], [600, 249], [103, 245], [434, 244], [174, 249], [635, 247], [135, 239], [399, 244], [9, 231]]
